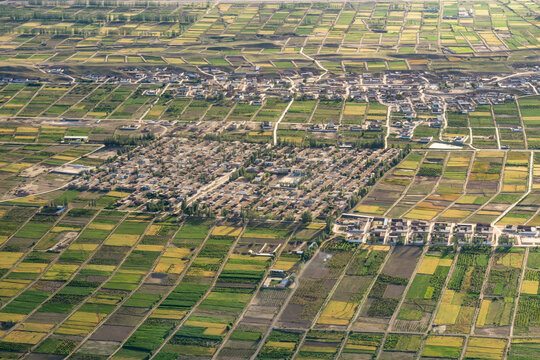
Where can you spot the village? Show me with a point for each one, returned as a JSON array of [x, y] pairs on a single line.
[[229, 178]]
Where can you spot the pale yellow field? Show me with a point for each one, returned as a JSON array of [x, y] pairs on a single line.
[[337, 313], [529, 287]]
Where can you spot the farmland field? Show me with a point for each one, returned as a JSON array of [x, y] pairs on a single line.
[[223, 180]]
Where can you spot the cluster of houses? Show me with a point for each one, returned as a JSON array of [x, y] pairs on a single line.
[[368, 229], [173, 168], [233, 177]]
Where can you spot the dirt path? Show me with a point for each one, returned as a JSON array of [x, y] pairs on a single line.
[[522, 123], [522, 275], [477, 309], [285, 303], [95, 291], [279, 120], [241, 316], [194, 307], [361, 305], [439, 302], [396, 312]]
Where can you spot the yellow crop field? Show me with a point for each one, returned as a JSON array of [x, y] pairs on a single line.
[[452, 341], [284, 265], [16, 167], [355, 109], [118, 194], [171, 265], [482, 315], [226, 231], [529, 287], [337, 313], [485, 348], [11, 317], [177, 252], [370, 209], [80, 323], [29, 326], [428, 265], [100, 267], [122, 240], [24, 337], [144, 247], [9, 258], [154, 229], [34, 268], [447, 314], [281, 344], [168, 314], [513, 259], [421, 214], [60, 272]]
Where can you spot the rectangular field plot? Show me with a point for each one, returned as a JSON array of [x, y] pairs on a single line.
[[389, 287], [497, 306], [425, 291], [343, 304], [460, 298], [322, 273]]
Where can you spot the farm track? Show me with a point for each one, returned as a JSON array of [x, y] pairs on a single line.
[[125, 298], [361, 304], [241, 316], [398, 308], [285, 303], [83, 264], [77, 307], [521, 277], [279, 120], [439, 302], [477, 308], [521, 122], [196, 305]]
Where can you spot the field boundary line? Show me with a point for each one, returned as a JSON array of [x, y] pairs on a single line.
[[174, 286], [358, 310], [285, 303], [201, 299], [401, 301], [84, 301], [241, 316], [119, 305]]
